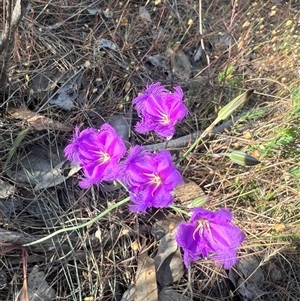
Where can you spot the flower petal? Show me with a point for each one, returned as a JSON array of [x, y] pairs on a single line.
[[150, 178], [159, 110], [97, 152], [214, 234]]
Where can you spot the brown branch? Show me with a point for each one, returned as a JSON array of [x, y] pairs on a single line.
[[13, 11], [185, 140]]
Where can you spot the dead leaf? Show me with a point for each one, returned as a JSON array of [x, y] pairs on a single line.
[[40, 123], [37, 121], [41, 170], [110, 186], [94, 11], [190, 194], [21, 113], [57, 87], [158, 60], [107, 44], [247, 277], [145, 285], [221, 42], [171, 270], [69, 84], [144, 14], [168, 260], [40, 210], [129, 294], [6, 189], [65, 96], [274, 273], [198, 54], [164, 232], [43, 84], [38, 288], [168, 294], [180, 63], [121, 125], [10, 207]]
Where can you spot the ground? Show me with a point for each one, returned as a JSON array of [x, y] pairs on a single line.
[[81, 63]]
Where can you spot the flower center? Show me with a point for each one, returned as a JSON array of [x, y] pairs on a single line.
[[154, 179], [164, 118], [203, 224], [103, 157]]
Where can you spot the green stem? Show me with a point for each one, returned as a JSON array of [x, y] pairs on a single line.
[[179, 210], [223, 114], [197, 141], [90, 222]]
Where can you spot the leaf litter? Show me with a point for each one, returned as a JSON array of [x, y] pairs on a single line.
[[168, 261], [144, 14], [180, 63], [37, 287], [6, 189], [248, 277], [106, 44], [145, 283], [40, 169], [114, 77], [38, 121], [165, 268]]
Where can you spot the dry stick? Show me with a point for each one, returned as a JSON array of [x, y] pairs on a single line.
[[7, 12], [185, 140], [13, 11], [223, 114]]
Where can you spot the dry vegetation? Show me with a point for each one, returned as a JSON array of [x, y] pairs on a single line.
[[247, 45]]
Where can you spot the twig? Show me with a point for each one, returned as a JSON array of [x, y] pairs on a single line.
[[185, 140], [13, 11]]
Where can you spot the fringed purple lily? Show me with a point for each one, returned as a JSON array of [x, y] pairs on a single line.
[[159, 110], [210, 233], [150, 178], [98, 152]]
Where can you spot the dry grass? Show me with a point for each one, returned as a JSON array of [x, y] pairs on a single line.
[[57, 43]]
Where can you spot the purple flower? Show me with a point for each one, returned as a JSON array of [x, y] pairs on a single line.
[[210, 233], [98, 153], [159, 110], [150, 178]]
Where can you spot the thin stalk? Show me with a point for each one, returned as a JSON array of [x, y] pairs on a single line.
[[89, 223]]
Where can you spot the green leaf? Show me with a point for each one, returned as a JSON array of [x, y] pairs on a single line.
[[227, 73]]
